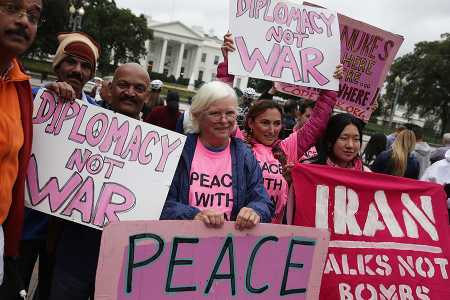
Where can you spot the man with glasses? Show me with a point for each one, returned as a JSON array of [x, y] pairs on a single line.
[[18, 27]]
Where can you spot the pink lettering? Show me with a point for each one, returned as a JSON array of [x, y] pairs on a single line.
[[77, 159], [280, 13], [287, 60], [243, 6], [134, 145], [93, 135], [82, 201], [309, 65], [55, 116], [51, 189], [74, 109], [145, 158], [46, 109], [74, 135], [112, 163], [328, 22], [117, 135], [106, 209], [249, 62], [166, 151]]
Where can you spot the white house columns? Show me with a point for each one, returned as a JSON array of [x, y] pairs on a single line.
[[163, 56], [194, 73], [179, 61]]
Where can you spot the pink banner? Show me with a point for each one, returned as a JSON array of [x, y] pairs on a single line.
[[186, 260], [367, 53], [389, 235]]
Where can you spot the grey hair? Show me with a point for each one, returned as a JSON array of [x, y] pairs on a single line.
[[208, 94]]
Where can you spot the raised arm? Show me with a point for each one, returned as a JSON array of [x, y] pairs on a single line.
[[222, 68]]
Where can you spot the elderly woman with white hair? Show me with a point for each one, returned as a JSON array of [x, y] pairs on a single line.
[[218, 178]]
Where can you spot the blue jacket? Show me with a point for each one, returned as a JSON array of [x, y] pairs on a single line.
[[248, 188], [383, 164]]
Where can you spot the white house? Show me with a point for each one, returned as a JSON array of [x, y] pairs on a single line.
[[181, 51]]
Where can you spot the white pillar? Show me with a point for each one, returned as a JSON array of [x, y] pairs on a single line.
[[163, 57], [146, 59], [179, 61], [194, 73]]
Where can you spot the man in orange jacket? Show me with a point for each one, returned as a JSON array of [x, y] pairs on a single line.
[[18, 27]]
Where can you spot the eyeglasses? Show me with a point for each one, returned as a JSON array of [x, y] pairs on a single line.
[[216, 116], [13, 9]]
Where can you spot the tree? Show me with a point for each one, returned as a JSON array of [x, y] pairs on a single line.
[[427, 71], [55, 15], [120, 34]]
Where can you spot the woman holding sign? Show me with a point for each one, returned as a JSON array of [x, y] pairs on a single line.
[[341, 143], [217, 178], [276, 157]]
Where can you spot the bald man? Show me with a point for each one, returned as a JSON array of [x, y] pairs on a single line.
[[79, 246], [129, 90]]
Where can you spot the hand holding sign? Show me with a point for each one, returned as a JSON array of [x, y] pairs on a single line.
[[228, 44], [211, 217], [63, 90], [247, 219]]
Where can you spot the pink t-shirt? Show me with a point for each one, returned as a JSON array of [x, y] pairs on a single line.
[[211, 182], [274, 182]]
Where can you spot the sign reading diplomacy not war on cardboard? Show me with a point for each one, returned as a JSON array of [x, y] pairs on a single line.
[[367, 53], [284, 41], [92, 166], [389, 235], [186, 260]]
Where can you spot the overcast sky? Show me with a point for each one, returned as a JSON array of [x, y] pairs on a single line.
[[415, 20]]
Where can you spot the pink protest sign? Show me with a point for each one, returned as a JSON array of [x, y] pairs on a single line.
[[367, 53], [388, 235], [186, 260], [92, 166]]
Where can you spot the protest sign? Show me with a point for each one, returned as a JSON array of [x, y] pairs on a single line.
[[186, 260], [389, 235], [92, 166], [367, 53], [284, 41]]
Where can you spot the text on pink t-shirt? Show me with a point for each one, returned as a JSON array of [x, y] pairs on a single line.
[[274, 182], [211, 181]]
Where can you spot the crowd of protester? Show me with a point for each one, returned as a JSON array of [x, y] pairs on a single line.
[[247, 146]]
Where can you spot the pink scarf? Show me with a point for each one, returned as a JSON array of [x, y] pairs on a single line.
[[357, 164]]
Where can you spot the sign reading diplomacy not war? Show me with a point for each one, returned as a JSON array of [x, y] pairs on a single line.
[[186, 260], [284, 41], [389, 236], [92, 166], [367, 53]]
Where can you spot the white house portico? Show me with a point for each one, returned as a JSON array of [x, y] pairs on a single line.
[[181, 51]]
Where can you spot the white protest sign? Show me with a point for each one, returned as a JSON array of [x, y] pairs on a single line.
[[93, 166], [284, 41]]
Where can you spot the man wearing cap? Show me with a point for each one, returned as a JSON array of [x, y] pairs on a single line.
[[18, 27], [74, 65], [154, 98]]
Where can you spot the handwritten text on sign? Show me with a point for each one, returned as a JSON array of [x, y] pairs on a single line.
[[367, 53], [186, 260], [389, 239], [283, 41], [93, 166]]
